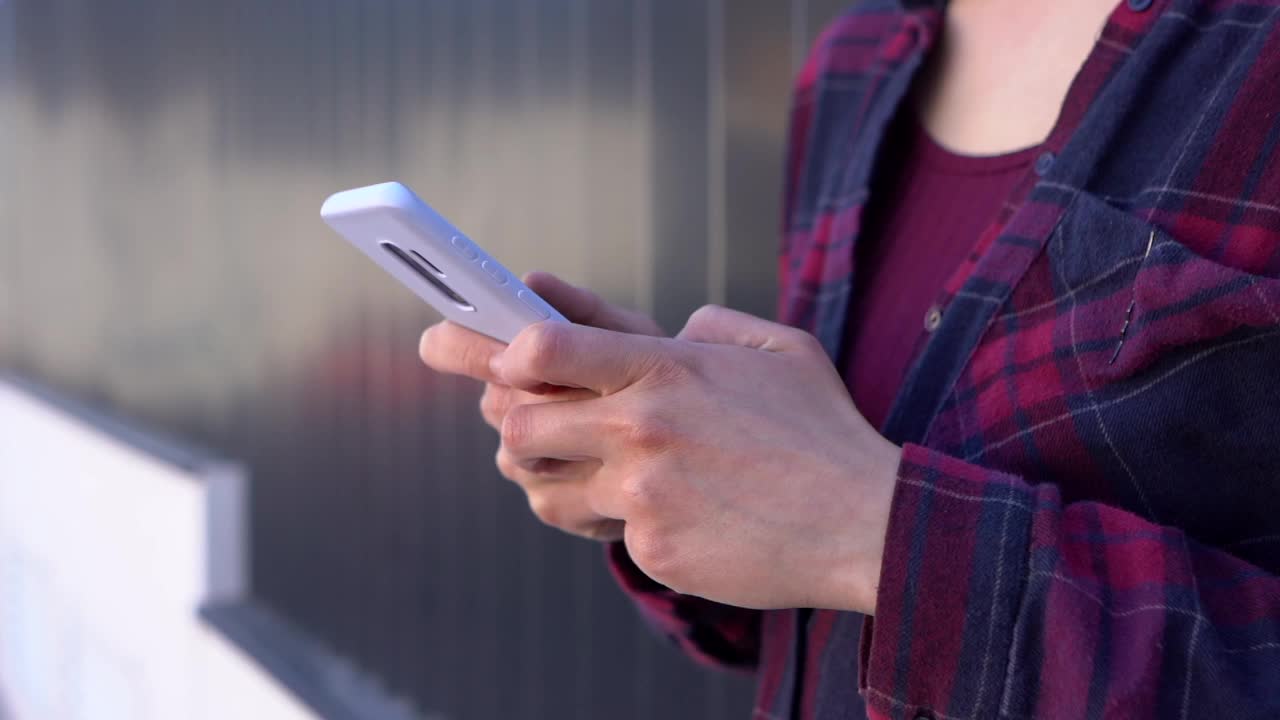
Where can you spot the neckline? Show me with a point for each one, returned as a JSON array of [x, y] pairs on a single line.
[[936, 155]]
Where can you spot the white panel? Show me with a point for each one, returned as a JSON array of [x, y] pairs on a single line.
[[105, 559]]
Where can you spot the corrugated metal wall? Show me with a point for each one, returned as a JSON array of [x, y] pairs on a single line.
[[161, 167]]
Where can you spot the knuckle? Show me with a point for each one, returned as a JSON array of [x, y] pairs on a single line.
[[703, 321], [638, 489], [707, 314], [645, 425], [650, 431], [539, 346], [547, 347]]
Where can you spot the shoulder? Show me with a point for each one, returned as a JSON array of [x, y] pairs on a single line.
[[849, 44]]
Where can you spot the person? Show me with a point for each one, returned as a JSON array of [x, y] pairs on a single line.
[[1032, 438]]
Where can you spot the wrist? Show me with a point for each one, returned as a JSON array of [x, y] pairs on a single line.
[[857, 581]]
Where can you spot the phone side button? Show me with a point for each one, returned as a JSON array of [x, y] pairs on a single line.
[[530, 300], [464, 247], [495, 271]]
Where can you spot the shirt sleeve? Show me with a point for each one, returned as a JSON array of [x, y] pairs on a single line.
[[709, 632], [713, 633], [997, 599]]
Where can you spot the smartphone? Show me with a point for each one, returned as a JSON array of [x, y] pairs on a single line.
[[427, 254]]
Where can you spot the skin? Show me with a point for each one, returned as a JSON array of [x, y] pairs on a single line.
[[997, 79], [730, 459]]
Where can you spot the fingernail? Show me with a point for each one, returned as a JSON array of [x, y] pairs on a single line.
[[495, 364]]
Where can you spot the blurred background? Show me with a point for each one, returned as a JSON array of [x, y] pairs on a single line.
[[163, 266]]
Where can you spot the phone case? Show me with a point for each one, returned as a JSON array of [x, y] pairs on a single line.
[[427, 254]]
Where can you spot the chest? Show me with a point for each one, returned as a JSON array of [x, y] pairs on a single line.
[[1117, 329]]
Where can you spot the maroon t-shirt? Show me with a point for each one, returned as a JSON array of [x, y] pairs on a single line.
[[929, 207]]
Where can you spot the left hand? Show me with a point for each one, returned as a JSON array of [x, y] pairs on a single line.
[[733, 453]]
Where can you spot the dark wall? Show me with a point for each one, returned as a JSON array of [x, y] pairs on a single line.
[[162, 163]]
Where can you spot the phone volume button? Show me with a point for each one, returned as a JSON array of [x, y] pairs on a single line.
[[531, 301], [463, 247], [495, 271]]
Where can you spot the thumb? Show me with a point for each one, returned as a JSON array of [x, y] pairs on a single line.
[[721, 326], [584, 307]]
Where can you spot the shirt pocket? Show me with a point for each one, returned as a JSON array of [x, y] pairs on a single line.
[[1135, 295]]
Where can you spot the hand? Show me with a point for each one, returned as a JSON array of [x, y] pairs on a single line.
[[733, 454], [556, 489]]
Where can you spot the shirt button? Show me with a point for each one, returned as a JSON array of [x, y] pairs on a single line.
[[1139, 5], [932, 319], [1044, 163]]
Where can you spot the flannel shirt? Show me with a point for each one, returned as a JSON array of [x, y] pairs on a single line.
[[1086, 522]]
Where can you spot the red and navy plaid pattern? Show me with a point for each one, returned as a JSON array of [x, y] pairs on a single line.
[[1087, 518]]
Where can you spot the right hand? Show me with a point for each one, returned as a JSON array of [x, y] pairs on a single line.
[[556, 488]]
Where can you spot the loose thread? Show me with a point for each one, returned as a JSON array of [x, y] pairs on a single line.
[[1133, 302]]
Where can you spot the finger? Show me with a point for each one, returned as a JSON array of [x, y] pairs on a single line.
[[546, 469], [722, 326], [534, 474], [578, 356], [494, 404], [559, 430], [584, 307], [566, 508], [450, 348], [497, 400], [605, 531], [563, 504]]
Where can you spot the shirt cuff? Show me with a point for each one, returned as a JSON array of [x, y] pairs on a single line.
[[951, 584], [711, 633]]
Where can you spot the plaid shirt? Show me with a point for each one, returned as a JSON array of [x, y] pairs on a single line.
[[1087, 517]]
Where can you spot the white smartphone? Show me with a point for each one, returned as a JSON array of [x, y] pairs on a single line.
[[422, 250]]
